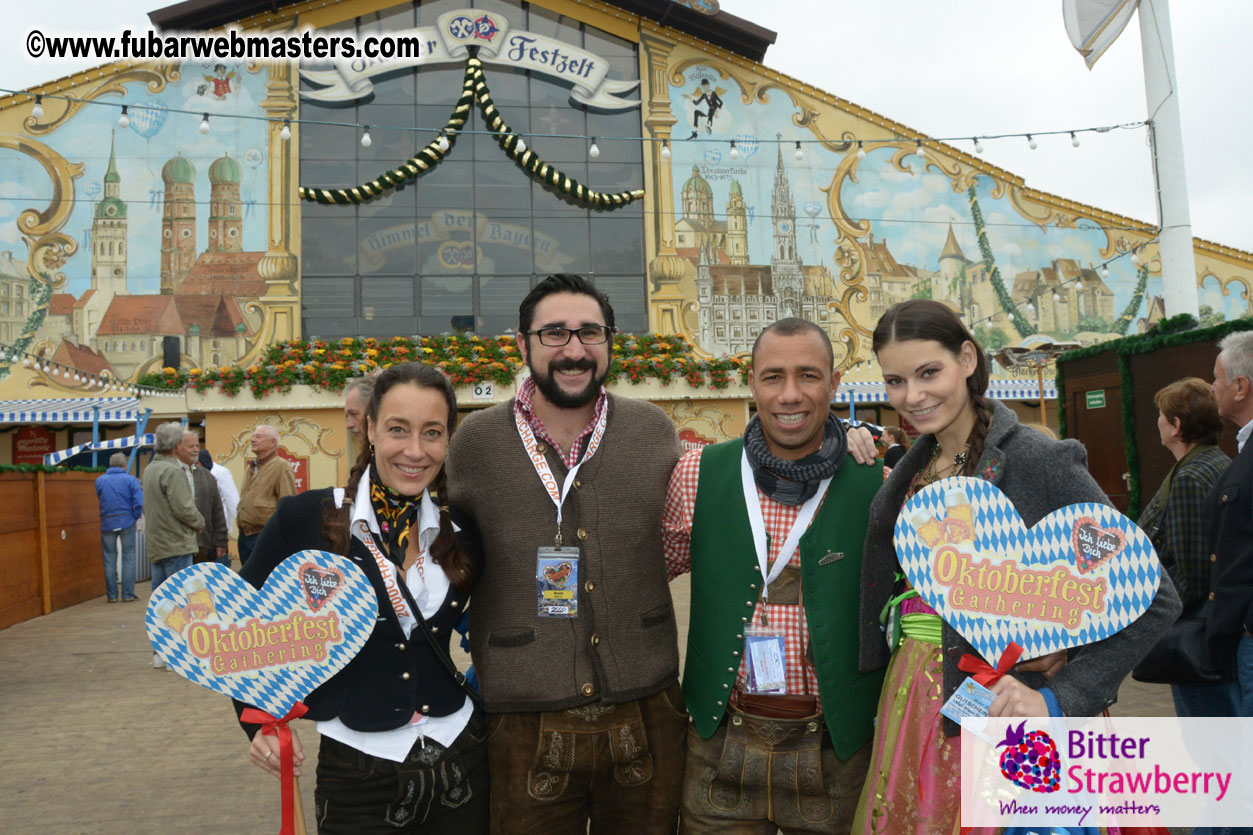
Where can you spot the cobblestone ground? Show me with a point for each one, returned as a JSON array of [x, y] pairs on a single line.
[[94, 740]]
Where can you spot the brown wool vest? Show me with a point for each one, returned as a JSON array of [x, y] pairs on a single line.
[[622, 645]]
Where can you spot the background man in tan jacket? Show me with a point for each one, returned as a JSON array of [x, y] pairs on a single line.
[[267, 479]]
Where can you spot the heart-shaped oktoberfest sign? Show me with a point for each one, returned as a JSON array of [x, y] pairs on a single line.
[[1083, 573], [267, 648]]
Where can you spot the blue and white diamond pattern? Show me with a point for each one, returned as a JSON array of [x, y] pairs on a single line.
[[274, 688], [1132, 574]]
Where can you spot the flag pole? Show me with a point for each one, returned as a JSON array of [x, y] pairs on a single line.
[[1161, 91]]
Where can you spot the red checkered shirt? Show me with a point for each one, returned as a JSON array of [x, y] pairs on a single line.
[[522, 404], [676, 535]]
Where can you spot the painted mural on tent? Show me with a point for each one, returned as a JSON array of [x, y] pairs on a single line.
[[161, 227], [838, 232]]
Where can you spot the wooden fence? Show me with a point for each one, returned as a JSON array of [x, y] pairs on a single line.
[[49, 543]]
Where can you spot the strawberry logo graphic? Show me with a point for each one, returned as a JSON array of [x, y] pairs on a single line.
[[1030, 760]]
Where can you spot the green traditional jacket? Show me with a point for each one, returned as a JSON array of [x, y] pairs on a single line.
[[726, 584]]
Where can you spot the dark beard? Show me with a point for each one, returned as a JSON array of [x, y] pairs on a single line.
[[559, 397]]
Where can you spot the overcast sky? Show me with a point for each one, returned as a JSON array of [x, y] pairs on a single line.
[[954, 69]]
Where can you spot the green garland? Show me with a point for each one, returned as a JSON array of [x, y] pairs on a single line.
[[1177, 330], [44, 468], [1133, 307], [41, 297], [1024, 327], [530, 162], [423, 160], [474, 89]]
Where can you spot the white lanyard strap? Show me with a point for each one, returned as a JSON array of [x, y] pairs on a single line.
[[541, 463], [757, 523], [390, 582]]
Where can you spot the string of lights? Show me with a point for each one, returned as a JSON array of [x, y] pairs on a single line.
[[93, 381], [368, 131]]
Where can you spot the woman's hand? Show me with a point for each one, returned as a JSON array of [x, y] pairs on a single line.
[[1046, 665], [1013, 698], [264, 753]]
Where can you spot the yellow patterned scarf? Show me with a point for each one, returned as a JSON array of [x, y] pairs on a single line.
[[395, 514]]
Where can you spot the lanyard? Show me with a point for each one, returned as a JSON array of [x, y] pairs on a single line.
[[390, 582], [758, 524], [545, 472]]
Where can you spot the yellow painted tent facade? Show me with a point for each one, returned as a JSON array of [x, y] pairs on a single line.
[[763, 197]]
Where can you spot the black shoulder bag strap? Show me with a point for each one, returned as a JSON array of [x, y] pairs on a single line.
[[440, 653]]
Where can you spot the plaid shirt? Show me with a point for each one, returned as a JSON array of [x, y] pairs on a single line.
[[1178, 527], [523, 405], [676, 536]]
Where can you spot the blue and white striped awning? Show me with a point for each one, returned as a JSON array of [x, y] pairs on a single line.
[[54, 458], [71, 410], [874, 392]]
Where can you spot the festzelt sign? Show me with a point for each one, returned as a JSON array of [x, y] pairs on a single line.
[[449, 41]]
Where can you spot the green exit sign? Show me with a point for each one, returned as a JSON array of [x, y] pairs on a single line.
[[1096, 399]]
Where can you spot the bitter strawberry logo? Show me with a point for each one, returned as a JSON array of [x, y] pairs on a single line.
[[1030, 760]]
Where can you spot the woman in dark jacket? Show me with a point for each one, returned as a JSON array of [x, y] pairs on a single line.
[[1189, 426], [403, 748]]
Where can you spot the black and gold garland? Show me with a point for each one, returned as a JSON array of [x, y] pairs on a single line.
[[474, 89], [423, 160]]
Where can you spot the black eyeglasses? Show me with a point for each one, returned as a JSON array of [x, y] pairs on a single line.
[[588, 335]]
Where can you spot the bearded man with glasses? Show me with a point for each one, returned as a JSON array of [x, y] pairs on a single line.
[[572, 630]]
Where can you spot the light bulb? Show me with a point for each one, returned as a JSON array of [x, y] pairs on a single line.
[[1104, 271], [285, 133], [204, 124], [665, 149], [26, 362], [1031, 143], [366, 141], [861, 152], [38, 110], [978, 146], [1056, 296], [735, 152], [800, 154], [1074, 140], [1135, 259], [443, 142], [920, 151], [521, 146], [594, 150], [124, 121]]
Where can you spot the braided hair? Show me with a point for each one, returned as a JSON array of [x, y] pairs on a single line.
[[445, 550], [927, 319]]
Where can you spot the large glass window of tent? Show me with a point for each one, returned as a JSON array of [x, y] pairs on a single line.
[[459, 248]]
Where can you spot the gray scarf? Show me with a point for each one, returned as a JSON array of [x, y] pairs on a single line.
[[794, 482]]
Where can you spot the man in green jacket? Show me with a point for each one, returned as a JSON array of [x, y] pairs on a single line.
[[772, 527], [171, 519]]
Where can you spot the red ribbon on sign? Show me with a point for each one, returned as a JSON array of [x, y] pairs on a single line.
[[985, 673], [273, 726]]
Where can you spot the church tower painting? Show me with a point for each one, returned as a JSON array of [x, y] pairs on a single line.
[[225, 216], [178, 223], [786, 275], [737, 226], [108, 234]]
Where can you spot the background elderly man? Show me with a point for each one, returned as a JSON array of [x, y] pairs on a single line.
[[267, 479], [121, 504], [172, 518], [357, 396], [1229, 524], [212, 538]]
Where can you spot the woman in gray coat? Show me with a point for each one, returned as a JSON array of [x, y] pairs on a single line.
[[936, 377]]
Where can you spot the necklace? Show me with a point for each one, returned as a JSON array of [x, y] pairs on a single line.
[[931, 473]]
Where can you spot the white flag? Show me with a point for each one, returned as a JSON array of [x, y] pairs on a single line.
[[1093, 25]]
